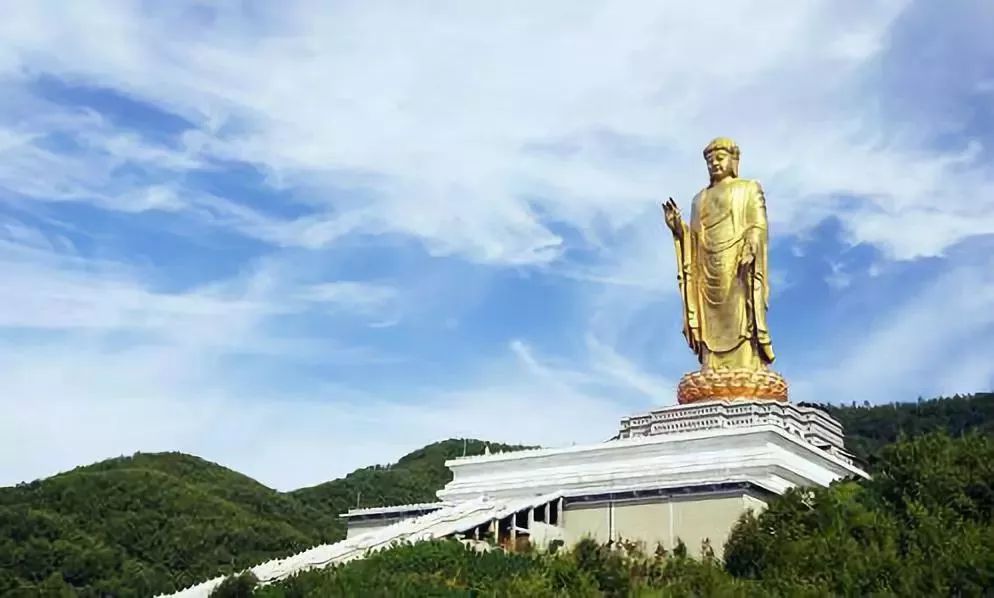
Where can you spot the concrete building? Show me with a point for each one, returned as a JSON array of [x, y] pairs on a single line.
[[682, 473]]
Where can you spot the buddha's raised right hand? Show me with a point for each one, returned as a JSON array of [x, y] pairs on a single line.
[[671, 214]]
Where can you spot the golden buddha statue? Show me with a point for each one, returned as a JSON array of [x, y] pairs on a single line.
[[722, 276]]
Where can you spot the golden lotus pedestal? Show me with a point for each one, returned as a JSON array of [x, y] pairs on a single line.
[[730, 385]]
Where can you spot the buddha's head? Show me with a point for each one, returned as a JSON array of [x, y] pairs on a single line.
[[722, 158]]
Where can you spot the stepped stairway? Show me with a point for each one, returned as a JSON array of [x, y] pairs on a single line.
[[501, 520]]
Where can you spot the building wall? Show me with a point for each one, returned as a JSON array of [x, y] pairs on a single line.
[[587, 521], [661, 521], [361, 527], [650, 523]]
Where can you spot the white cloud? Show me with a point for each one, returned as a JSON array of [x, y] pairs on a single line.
[[46, 290], [483, 131], [352, 293], [611, 364], [436, 116], [74, 405], [838, 278], [50, 153], [83, 395], [51, 286], [123, 367], [930, 343]]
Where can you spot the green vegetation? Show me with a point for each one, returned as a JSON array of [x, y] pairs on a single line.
[[413, 479], [447, 568], [237, 586], [150, 523], [924, 526], [868, 429]]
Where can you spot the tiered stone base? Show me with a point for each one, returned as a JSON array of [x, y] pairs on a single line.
[[731, 384]]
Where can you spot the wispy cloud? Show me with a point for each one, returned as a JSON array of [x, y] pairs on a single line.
[[186, 186], [59, 154], [929, 343], [354, 295], [100, 405], [447, 158]]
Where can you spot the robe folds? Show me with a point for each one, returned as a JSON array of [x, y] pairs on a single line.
[[724, 315]]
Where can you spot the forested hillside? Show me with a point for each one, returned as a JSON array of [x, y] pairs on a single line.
[[134, 526], [414, 478], [868, 429]]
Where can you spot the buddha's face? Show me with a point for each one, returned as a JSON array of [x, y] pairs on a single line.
[[720, 165]]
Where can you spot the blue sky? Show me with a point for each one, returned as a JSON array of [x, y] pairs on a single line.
[[298, 239]]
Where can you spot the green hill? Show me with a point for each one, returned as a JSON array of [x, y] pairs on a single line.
[[139, 525], [149, 523], [869, 428], [413, 479]]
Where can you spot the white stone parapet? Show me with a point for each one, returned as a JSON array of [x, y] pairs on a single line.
[[361, 521], [408, 508], [764, 454], [422, 507], [812, 424]]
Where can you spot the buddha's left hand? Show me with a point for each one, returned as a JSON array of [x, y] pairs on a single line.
[[748, 253]]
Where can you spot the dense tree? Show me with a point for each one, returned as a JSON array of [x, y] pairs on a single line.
[[237, 586], [149, 523], [140, 525], [923, 526], [413, 479], [448, 568], [868, 429]]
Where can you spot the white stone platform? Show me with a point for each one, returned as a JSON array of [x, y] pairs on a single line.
[[765, 455]]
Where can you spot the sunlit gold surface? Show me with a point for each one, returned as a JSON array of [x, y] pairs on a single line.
[[731, 384], [722, 274]]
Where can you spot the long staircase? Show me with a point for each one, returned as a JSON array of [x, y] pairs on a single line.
[[499, 520]]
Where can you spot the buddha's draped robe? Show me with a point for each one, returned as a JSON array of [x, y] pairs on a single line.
[[725, 306]]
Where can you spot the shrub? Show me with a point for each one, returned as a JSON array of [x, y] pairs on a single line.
[[236, 586]]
